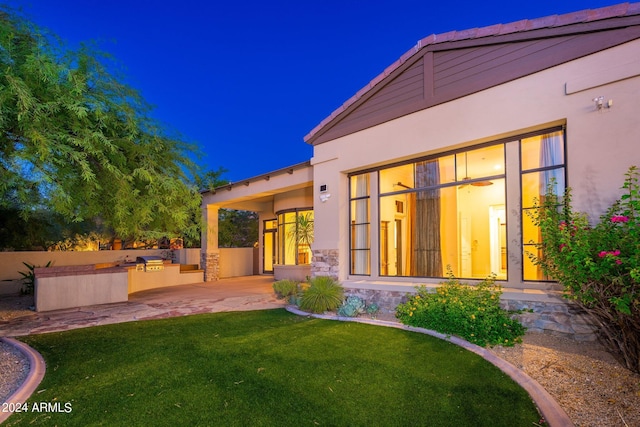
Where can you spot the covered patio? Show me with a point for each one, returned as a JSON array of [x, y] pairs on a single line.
[[279, 192]]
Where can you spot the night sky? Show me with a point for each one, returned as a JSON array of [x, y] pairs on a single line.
[[247, 80]]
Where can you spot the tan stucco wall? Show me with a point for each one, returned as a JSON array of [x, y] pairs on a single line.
[[170, 276], [301, 198], [235, 262], [601, 145], [59, 292], [11, 263]]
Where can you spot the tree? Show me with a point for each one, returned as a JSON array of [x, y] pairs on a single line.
[[237, 229], [77, 141]]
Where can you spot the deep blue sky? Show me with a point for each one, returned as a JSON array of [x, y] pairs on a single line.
[[247, 80]]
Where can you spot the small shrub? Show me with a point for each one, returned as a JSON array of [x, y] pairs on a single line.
[[372, 310], [352, 307], [323, 294], [470, 312], [285, 288], [29, 278]]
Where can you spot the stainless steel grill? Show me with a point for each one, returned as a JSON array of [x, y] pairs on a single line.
[[149, 263]]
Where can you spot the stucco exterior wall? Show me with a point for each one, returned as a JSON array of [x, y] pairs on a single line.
[[79, 289], [300, 198], [601, 145], [236, 262], [11, 263], [170, 276]]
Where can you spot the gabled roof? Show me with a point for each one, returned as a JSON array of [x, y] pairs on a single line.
[[443, 67]]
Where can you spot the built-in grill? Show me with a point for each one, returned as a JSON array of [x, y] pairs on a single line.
[[149, 263]]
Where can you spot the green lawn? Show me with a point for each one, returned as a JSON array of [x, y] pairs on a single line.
[[268, 368]]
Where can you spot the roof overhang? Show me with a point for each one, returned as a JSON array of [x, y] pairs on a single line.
[[254, 193]]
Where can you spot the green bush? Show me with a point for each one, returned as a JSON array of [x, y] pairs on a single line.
[[285, 288], [29, 278], [598, 266], [469, 312], [323, 294], [352, 307]]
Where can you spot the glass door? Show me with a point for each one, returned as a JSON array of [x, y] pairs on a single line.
[[269, 242]]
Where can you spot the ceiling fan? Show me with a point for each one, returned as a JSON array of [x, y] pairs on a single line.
[[484, 183]]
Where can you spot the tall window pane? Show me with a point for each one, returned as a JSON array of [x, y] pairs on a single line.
[[543, 171], [295, 235], [360, 225]]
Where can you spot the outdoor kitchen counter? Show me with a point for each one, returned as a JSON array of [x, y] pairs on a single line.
[[79, 285]]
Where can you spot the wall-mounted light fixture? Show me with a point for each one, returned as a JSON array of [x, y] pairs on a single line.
[[324, 193], [600, 103]]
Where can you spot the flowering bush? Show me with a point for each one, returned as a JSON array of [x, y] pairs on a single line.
[[470, 312], [598, 266]]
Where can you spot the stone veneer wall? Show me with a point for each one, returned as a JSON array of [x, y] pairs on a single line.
[[325, 263], [562, 318], [211, 264]]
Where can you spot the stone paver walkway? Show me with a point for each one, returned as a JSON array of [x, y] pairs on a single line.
[[235, 294]]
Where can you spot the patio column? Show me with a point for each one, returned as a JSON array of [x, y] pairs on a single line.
[[210, 253]]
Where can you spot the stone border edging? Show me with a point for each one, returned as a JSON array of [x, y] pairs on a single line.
[[37, 369], [552, 412]]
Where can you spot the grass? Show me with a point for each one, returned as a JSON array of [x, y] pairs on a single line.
[[268, 368]]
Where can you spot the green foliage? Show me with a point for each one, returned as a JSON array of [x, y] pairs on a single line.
[[76, 140], [372, 310], [303, 232], [323, 294], [352, 307], [285, 288], [29, 278], [470, 312], [39, 231], [598, 266], [210, 180], [237, 229]]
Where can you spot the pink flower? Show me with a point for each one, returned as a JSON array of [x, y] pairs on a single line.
[[603, 254], [618, 261], [619, 218], [562, 246]]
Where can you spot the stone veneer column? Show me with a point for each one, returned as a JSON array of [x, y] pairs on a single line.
[[210, 261], [325, 263]]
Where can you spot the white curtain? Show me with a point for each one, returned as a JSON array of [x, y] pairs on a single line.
[[551, 150], [361, 227]]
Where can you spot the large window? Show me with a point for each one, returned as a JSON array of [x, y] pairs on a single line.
[[543, 170], [295, 235], [452, 211], [447, 211]]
